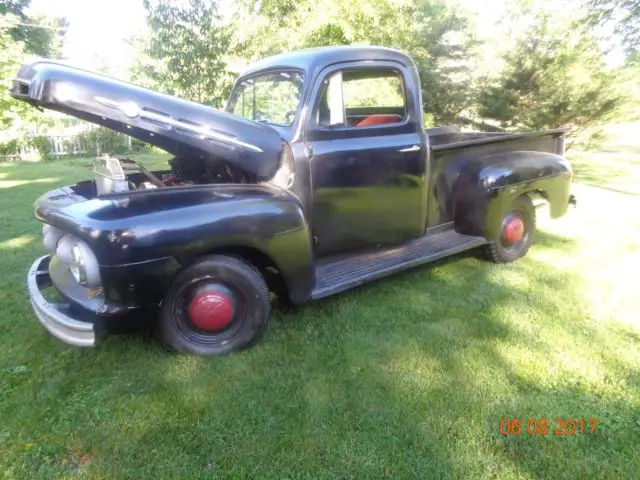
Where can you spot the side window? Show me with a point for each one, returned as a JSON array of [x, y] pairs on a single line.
[[362, 97]]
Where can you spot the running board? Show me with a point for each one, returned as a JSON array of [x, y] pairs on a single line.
[[339, 273]]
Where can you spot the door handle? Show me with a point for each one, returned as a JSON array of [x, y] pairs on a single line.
[[414, 148], [308, 151]]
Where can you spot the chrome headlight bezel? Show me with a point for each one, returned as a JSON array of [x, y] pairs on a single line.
[[64, 248], [76, 266]]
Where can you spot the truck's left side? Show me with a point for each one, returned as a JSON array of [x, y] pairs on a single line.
[[304, 197]]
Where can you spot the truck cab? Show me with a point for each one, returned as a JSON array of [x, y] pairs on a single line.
[[317, 178], [354, 125]]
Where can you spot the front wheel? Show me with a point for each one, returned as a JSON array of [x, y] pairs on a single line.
[[218, 305], [516, 233]]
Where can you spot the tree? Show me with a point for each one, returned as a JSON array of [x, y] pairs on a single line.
[[21, 36], [432, 33], [40, 35], [623, 15], [186, 50], [11, 53], [553, 78]]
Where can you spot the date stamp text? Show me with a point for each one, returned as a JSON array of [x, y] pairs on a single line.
[[546, 426]]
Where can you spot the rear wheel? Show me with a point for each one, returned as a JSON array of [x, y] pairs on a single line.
[[516, 233], [218, 305]]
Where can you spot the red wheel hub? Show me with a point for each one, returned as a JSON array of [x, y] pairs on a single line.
[[513, 230], [211, 310]]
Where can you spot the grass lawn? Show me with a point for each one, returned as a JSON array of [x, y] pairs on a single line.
[[405, 378]]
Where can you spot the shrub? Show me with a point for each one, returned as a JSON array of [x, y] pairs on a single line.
[[103, 140], [139, 146], [43, 145], [12, 147]]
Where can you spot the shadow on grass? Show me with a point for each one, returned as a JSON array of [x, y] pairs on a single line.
[[544, 239]]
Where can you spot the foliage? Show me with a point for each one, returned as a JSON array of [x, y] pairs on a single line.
[[623, 15], [552, 78], [546, 75], [17, 41], [186, 50], [102, 140], [94, 141], [43, 145], [40, 35], [378, 91], [139, 146], [437, 38], [10, 148], [11, 55]]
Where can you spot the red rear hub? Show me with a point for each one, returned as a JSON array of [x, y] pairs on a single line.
[[211, 310], [513, 230]]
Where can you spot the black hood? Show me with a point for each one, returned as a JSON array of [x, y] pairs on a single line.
[[175, 125]]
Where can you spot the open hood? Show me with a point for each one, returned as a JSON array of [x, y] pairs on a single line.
[[175, 125]]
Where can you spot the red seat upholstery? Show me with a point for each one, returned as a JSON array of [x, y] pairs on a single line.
[[379, 119]]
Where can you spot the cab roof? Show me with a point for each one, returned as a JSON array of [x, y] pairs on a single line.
[[312, 60]]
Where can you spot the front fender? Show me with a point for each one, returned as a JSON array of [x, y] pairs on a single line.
[[487, 187], [186, 222]]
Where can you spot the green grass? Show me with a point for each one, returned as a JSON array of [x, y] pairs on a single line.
[[408, 377]]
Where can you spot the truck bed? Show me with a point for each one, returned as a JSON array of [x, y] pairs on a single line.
[[451, 147], [449, 138]]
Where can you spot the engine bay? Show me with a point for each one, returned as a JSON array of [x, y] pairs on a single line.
[[119, 174]]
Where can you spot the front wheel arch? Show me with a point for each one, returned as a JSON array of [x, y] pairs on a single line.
[[263, 263]]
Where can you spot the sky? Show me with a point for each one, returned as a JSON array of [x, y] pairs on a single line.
[[97, 29]]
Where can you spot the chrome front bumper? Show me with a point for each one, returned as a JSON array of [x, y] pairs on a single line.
[[56, 317]]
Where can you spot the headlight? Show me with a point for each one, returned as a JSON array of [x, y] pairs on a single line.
[[50, 237], [80, 259]]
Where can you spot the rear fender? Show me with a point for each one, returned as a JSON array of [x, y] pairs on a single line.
[[487, 187]]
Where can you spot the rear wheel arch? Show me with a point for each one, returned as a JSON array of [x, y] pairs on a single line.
[[486, 187], [484, 217], [538, 196]]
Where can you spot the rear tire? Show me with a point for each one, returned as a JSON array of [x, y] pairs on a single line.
[[216, 306], [505, 249]]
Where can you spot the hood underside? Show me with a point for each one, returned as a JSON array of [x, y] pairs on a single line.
[[178, 126]]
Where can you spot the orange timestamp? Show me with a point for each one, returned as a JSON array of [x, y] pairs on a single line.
[[544, 426]]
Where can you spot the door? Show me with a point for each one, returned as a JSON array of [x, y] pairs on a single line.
[[367, 157]]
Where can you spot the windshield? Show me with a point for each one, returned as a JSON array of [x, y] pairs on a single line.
[[270, 98]]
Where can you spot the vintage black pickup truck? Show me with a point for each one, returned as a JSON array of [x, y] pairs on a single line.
[[319, 177]]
